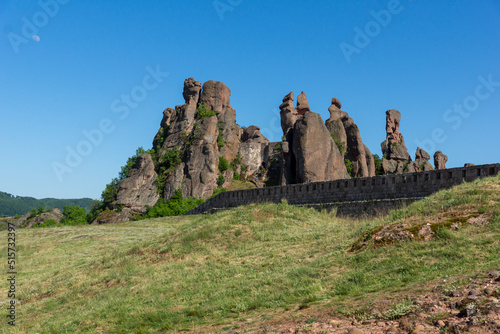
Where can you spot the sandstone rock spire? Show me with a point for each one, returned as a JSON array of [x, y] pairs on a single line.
[[309, 153], [347, 136], [396, 156]]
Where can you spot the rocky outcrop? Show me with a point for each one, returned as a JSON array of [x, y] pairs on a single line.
[[113, 216], [440, 160], [316, 155], [288, 113], [199, 147], [139, 189], [254, 150], [370, 161], [335, 125], [216, 96], [191, 165], [28, 220], [289, 116], [421, 162], [302, 104], [396, 157], [189, 147], [347, 136], [308, 152], [193, 136], [192, 89]]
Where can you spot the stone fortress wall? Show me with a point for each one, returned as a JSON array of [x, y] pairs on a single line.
[[368, 195]]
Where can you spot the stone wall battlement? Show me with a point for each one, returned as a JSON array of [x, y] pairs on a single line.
[[385, 187]]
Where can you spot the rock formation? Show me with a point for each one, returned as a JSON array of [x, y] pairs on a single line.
[[316, 155], [189, 144], [139, 190], [421, 162], [309, 153], [113, 216], [288, 113], [199, 148], [254, 150], [193, 141], [394, 150], [27, 220], [440, 160], [347, 136], [216, 96]]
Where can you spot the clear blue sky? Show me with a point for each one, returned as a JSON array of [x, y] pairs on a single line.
[[422, 58]]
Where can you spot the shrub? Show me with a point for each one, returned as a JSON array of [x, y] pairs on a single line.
[[220, 180], [74, 215], [238, 161], [160, 183], [175, 206], [340, 145], [349, 166], [223, 164], [217, 192], [220, 136], [94, 209], [278, 147], [400, 310], [202, 112], [170, 160], [49, 222]]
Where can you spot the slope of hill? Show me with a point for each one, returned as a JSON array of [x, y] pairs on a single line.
[[269, 268], [11, 205]]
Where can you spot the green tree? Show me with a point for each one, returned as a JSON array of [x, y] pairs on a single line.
[[378, 165], [73, 215], [108, 196], [95, 209]]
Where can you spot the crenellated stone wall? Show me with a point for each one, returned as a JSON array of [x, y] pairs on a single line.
[[350, 196]]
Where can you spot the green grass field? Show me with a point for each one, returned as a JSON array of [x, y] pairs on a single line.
[[216, 272]]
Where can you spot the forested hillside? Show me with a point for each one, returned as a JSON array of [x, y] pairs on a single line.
[[11, 205]]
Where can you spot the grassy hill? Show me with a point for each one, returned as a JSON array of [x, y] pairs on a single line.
[[11, 205], [238, 268]]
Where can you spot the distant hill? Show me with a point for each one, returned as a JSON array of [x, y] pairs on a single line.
[[11, 205]]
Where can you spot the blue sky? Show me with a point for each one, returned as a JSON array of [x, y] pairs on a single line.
[[437, 62]]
